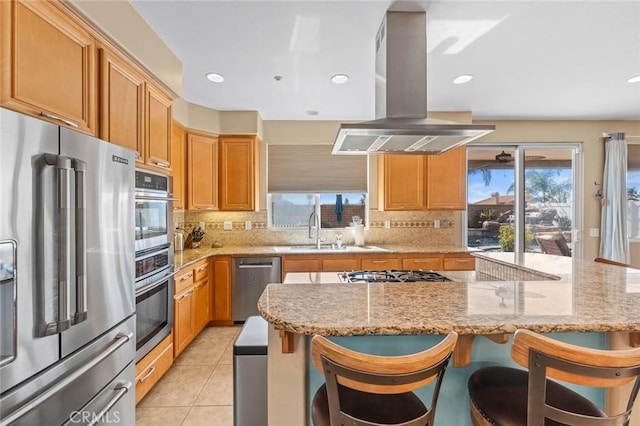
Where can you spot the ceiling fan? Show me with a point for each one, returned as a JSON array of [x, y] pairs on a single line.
[[504, 157]]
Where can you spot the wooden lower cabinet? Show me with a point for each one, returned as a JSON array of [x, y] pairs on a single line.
[[372, 263], [152, 367], [192, 304], [339, 264], [221, 312], [459, 262], [424, 262], [183, 326]]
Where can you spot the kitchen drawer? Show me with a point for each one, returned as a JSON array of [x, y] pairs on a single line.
[[153, 366], [184, 280], [380, 263], [338, 265], [201, 270], [425, 263], [463, 263], [300, 265]]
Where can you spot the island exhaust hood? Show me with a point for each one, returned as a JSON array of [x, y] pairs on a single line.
[[401, 98]]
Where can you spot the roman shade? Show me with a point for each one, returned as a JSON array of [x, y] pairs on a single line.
[[312, 169]]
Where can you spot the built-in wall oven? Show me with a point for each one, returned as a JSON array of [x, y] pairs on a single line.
[[154, 298], [154, 210], [154, 283]]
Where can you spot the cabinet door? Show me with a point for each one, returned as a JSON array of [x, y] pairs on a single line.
[[222, 289], [48, 64], [332, 264], [377, 263], [238, 172], [202, 303], [446, 180], [183, 326], [202, 178], [151, 368], [178, 163], [122, 103], [403, 185], [158, 125], [296, 264], [423, 262]]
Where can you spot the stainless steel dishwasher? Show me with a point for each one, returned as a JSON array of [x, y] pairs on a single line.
[[250, 277]]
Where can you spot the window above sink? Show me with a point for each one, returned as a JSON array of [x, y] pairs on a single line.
[[335, 211]]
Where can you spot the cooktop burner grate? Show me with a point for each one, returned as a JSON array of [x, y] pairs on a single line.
[[394, 275]]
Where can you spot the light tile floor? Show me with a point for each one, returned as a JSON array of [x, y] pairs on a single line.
[[198, 389]]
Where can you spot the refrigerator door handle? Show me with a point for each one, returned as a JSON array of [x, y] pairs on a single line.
[[64, 169], [122, 389], [80, 168]]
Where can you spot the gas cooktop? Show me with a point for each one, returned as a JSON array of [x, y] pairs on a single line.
[[393, 276]]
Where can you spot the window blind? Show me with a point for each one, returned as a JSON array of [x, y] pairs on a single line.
[[312, 168]]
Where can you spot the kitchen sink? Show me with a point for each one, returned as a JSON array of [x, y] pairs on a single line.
[[328, 249]]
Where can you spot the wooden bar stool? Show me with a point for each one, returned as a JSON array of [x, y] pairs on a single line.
[[363, 389], [509, 396]]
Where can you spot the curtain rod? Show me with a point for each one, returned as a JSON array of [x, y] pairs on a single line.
[[607, 135]]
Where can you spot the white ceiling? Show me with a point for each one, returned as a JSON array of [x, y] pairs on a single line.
[[544, 59]]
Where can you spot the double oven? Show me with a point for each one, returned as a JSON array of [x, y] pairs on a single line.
[[154, 284]]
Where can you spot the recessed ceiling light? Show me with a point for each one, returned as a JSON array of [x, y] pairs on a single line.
[[635, 79], [311, 112], [339, 79], [215, 77], [462, 79], [278, 77]]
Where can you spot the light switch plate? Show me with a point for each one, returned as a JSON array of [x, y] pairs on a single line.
[[247, 224], [227, 226], [594, 232], [387, 224]]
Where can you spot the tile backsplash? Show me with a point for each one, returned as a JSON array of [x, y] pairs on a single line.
[[410, 228]]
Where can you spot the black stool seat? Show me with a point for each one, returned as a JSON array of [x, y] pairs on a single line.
[[376, 408], [500, 395]]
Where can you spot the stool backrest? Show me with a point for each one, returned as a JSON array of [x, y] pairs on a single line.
[[380, 374], [549, 358]]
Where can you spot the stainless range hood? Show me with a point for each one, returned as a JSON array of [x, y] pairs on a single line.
[[401, 98]]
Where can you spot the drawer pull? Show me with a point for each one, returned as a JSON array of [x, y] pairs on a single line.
[[187, 294], [186, 277], [202, 268], [146, 376], [379, 261], [161, 164], [463, 260], [201, 285], [425, 261]]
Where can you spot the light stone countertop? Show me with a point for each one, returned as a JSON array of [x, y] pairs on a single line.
[[585, 296]]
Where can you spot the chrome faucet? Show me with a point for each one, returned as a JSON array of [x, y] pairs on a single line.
[[314, 220]]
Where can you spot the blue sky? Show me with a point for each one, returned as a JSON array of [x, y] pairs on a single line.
[[501, 180]]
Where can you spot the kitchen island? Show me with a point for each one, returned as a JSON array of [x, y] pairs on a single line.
[[578, 301]]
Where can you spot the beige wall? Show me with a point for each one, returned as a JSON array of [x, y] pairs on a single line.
[[127, 29]]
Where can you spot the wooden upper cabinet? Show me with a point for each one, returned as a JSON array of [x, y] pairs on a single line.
[[202, 172], [158, 127], [122, 103], [446, 180], [48, 64], [403, 181], [239, 156], [178, 164]]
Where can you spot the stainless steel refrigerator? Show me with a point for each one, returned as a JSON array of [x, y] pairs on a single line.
[[67, 305]]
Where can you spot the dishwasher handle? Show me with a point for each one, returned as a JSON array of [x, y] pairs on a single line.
[[257, 266]]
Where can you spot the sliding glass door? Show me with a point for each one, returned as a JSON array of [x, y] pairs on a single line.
[[524, 198]]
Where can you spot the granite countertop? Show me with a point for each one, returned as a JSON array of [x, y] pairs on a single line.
[[190, 256], [582, 296]]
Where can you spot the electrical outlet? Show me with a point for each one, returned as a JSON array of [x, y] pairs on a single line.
[[594, 232], [387, 224], [436, 223], [227, 226], [247, 224], [202, 225]]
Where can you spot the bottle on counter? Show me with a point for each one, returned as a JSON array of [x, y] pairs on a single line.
[[178, 243]]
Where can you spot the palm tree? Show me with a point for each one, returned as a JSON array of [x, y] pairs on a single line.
[[541, 186]]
